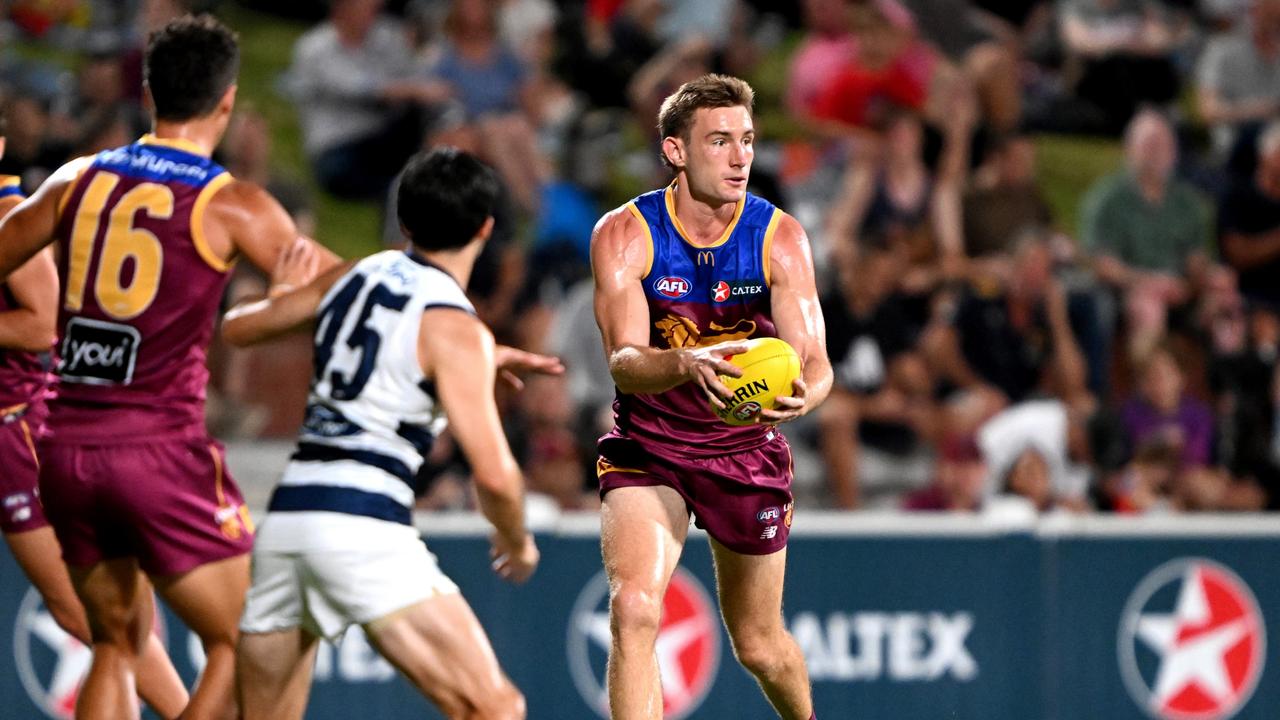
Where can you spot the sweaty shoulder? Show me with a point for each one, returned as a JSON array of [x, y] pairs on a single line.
[[242, 217], [621, 240], [789, 254]]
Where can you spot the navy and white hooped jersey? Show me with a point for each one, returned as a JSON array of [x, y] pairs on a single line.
[[371, 414]]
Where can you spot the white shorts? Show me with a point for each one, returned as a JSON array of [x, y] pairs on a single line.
[[324, 572]]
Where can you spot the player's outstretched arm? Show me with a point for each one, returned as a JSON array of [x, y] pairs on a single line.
[[798, 318], [456, 352], [289, 307], [620, 257], [29, 227], [243, 219]]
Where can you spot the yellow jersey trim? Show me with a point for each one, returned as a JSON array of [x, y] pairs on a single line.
[[648, 236], [197, 223], [10, 181], [175, 143], [670, 196], [768, 242]]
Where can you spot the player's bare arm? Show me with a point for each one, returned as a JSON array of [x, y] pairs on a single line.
[[32, 325], [619, 259], [243, 219], [798, 318], [260, 320], [29, 227], [456, 352]]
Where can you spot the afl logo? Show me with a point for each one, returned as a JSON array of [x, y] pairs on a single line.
[[672, 286], [688, 645], [1192, 642]]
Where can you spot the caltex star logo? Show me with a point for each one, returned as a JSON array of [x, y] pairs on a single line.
[[1192, 642], [688, 645], [720, 291], [51, 664]]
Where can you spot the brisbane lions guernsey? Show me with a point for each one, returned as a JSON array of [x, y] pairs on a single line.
[[22, 375], [699, 296], [140, 289]]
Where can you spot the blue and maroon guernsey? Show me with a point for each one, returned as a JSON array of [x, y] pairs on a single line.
[[23, 378], [140, 291], [699, 296]]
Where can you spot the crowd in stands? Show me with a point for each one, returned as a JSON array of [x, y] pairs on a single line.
[[989, 356]]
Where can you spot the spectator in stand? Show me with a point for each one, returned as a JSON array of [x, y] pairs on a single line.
[[1161, 412], [1243, 379], [1008, 344], [982, 46], [1239, 76], [883, 394], [1004, 202], [492, 88], [961, 481], [900, 202], [1145, 484], [827, 47], [1149, 233], [1249, 224], [361, 108], [1124, 53]]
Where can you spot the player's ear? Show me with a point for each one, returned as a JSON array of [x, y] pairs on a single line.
[[1, 146], [674, 150], [485, 230], [148, 102], [228, 101]]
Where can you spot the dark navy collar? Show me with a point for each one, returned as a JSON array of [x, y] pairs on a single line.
[[427, 263]]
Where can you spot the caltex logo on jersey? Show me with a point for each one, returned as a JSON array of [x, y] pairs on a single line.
[[672, 286], [1192, 642], [688, 645], [51, 664], [720, 291]]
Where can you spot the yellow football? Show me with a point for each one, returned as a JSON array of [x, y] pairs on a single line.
[[768, 368]]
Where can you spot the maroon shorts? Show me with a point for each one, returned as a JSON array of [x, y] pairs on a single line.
[[743, 500], [169, 503], [20, 508]]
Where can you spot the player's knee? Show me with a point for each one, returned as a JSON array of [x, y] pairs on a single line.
[[506, 704], [760, 654], [635, 610]]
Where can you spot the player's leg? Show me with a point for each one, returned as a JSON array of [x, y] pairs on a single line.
[[40, 557], [750, 590], [643, 530], [209, 599], [273, 673], [114, 599], [439, 645]]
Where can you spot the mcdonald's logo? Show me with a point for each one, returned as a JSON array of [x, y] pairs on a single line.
[[706, 256]]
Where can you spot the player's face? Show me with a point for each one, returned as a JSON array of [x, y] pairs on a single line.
[[719, 152]]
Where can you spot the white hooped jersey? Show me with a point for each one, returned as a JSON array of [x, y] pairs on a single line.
[[371, 415]]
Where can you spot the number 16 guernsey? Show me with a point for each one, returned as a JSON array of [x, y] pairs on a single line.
[[140, 290]]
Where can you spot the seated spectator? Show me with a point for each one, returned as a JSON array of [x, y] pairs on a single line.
[[1145, 484], [1029, 451], [982, 46], [1249, 225], [883, 394], [1124, 51], [901, 203], [1008, 344], [492, 87], [1162, 412], [361, 109], [1149, 232], [961, 480], [1004, 201], [1238, 78]]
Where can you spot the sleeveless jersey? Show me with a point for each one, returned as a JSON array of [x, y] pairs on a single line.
[[371, 415], [140, 288], [22, 375], [699, 296]]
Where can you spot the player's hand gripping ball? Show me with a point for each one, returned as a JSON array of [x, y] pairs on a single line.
[[769, 368]]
